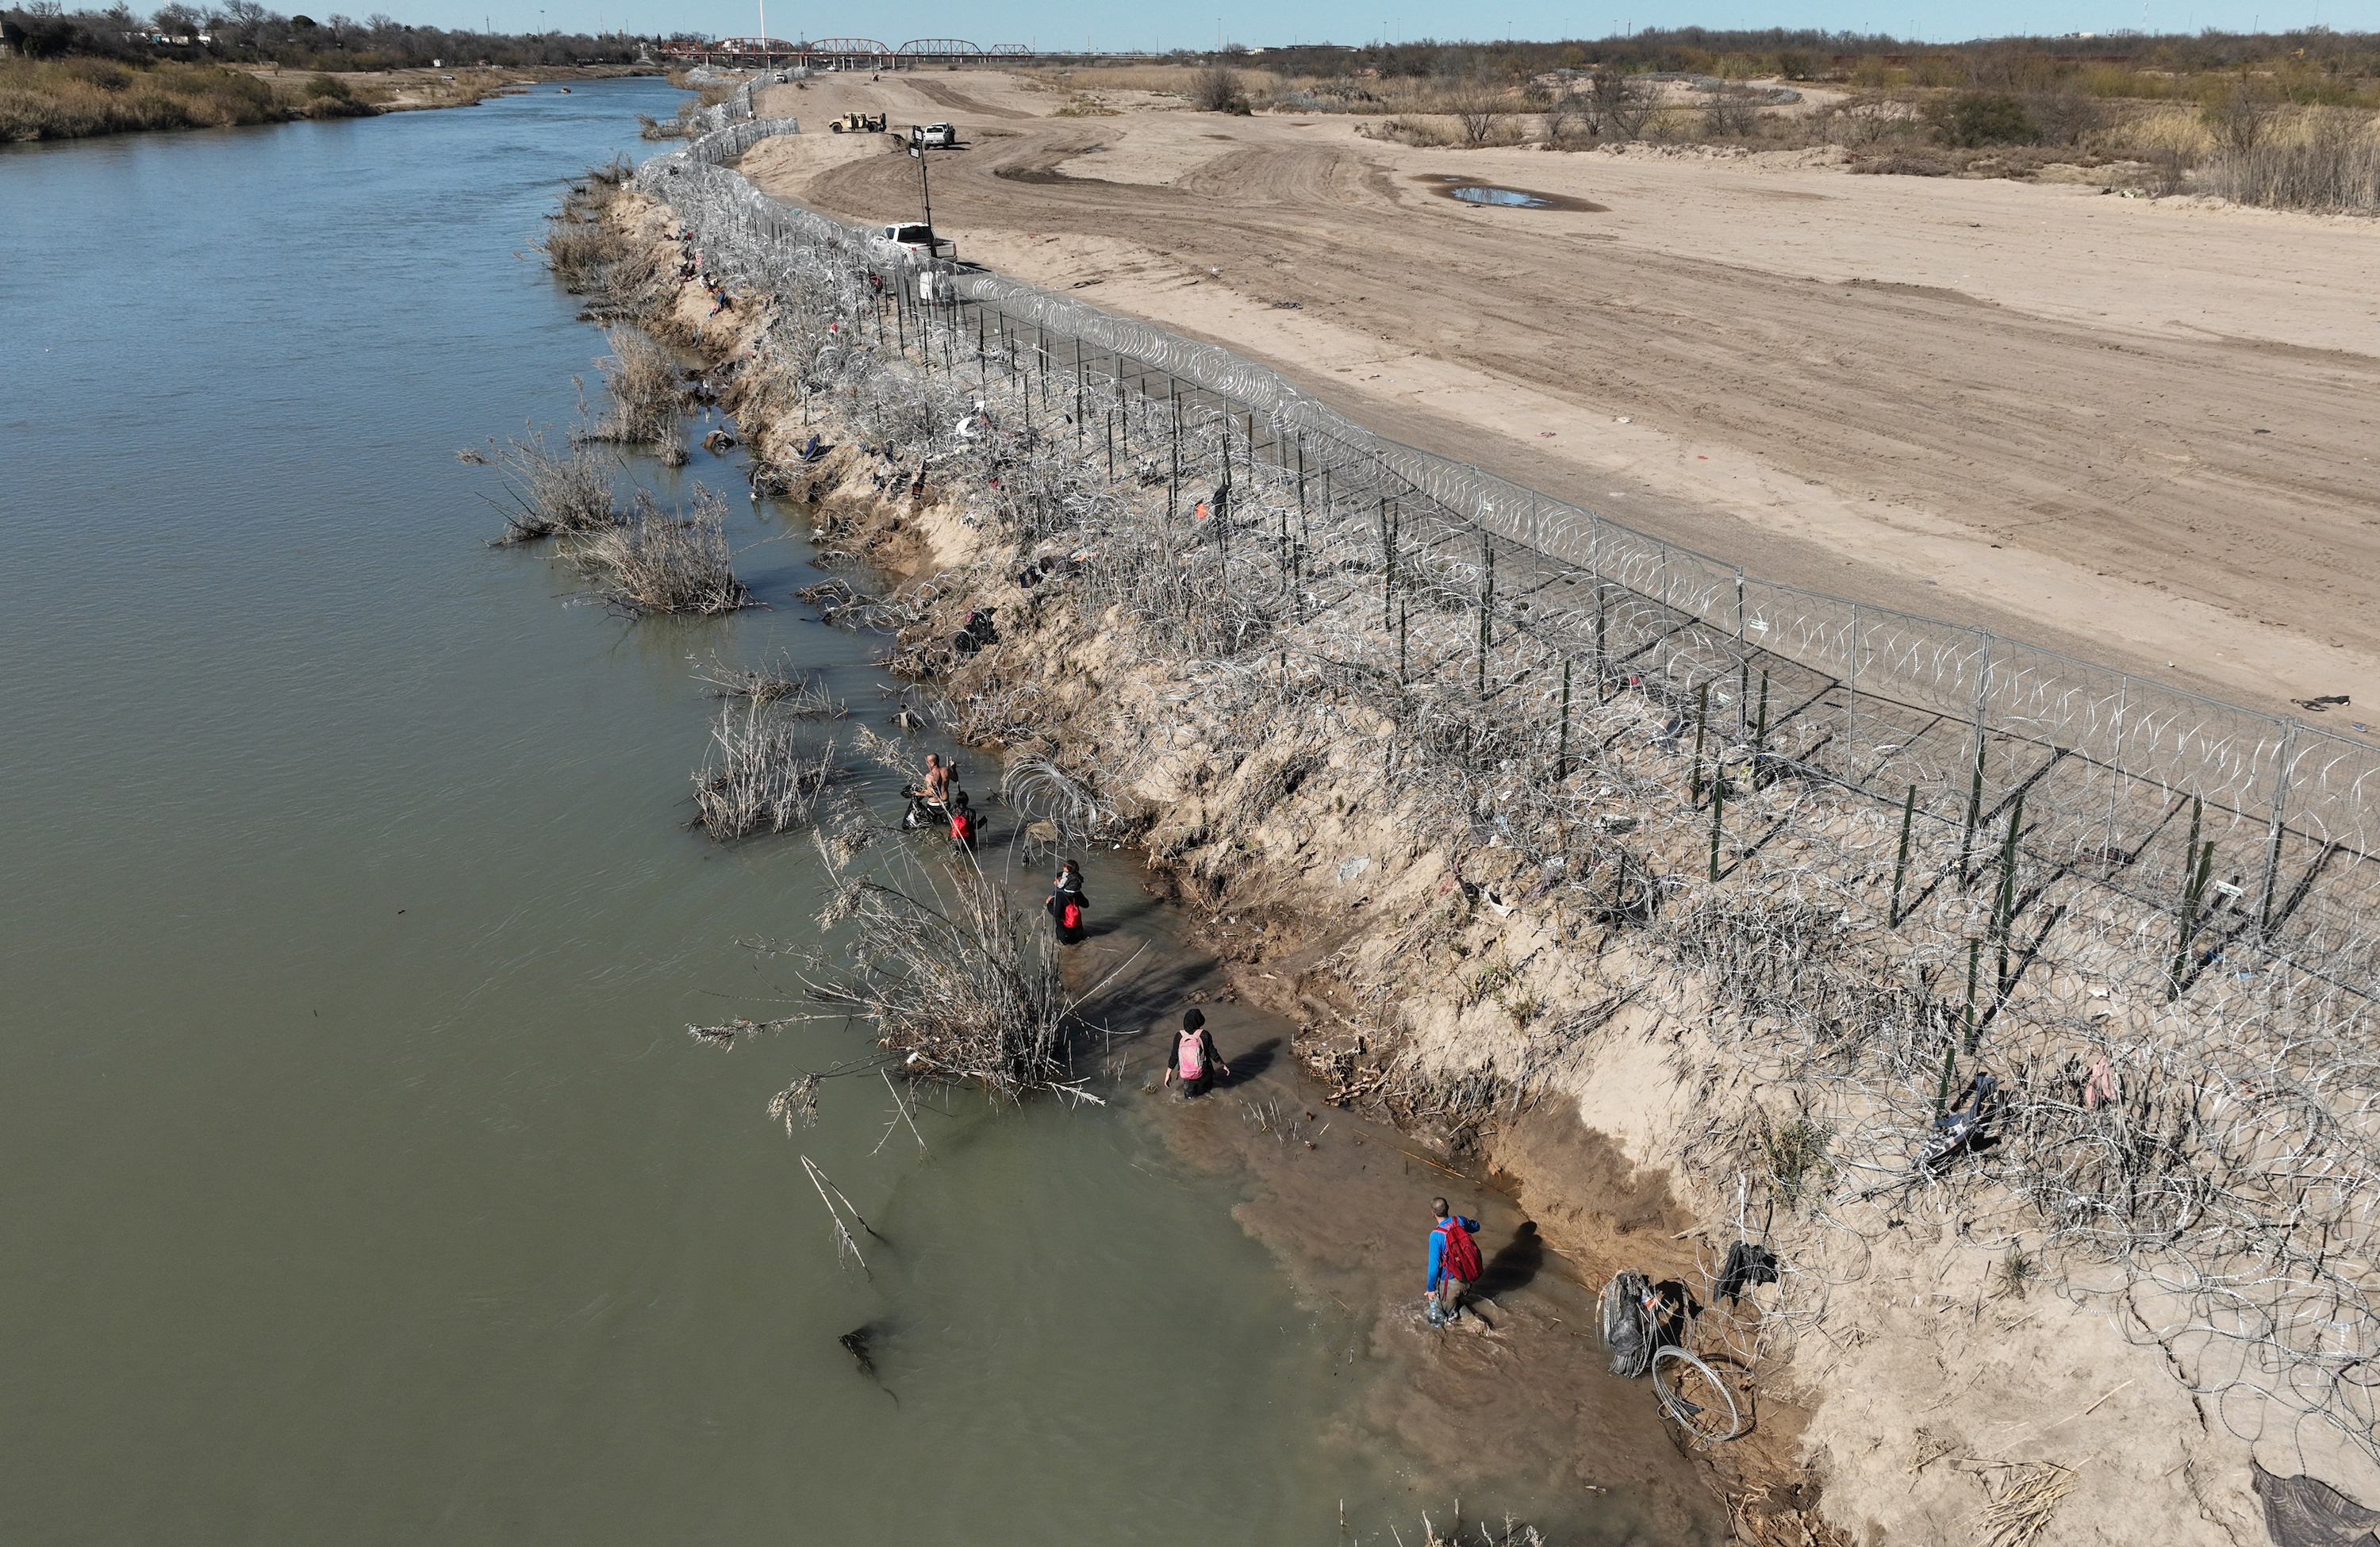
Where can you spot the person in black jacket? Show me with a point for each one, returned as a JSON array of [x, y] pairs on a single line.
[[1067, 903], [1194, 1057]]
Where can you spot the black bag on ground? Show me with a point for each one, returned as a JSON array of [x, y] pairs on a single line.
[[1628, 1328], [1746, 1265]]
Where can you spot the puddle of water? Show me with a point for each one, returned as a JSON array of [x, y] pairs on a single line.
[[1471, 190]]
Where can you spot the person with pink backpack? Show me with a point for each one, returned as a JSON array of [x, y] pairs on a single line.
[[1194, 1056], [1453, 1262]]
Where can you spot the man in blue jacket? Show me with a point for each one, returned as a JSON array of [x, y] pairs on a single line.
[[1453, 1262]]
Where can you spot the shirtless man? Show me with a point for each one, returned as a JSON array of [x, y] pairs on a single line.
[[930, 803]]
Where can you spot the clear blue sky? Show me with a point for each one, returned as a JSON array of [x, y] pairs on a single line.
[[1100, 24]]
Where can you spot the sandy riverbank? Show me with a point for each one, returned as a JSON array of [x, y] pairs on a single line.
[[2137, 431]]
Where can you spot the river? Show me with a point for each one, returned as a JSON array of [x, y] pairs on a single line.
[[361, 1185]]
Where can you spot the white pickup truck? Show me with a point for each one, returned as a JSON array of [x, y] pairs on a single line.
[[918, 242], [934, 137]]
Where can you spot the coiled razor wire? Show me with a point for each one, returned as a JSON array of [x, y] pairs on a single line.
[[2152, 911]]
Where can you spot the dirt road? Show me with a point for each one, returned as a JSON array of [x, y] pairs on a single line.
[[2145, 434]]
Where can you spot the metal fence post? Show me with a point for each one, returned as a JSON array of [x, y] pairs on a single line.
[[2274, 833], [2116, 767], [1743, 662], [1851, 706], [1976, 793]]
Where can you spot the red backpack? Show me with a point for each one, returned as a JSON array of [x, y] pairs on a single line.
[[1070, 915], [962, 826], [1460, 1259]]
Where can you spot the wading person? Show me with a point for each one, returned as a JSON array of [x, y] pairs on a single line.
[[1066, 904], [1453, 1262], [1194, 1060], [961, 822]]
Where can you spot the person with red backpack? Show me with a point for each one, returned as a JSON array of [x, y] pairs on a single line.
[[1066, 904], [1193, 1056], [961, 822], [1453, 1262]]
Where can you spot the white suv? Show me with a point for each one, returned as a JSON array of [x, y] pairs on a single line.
[[919, 241]]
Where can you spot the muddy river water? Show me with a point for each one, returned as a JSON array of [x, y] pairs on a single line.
[[360, 1183]]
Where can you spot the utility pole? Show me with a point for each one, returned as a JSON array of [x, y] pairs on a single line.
[[925, 191]]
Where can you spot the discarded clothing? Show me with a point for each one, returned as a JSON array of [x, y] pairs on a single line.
[[2099, 1086], [1746, 1265], [2306, 1511]]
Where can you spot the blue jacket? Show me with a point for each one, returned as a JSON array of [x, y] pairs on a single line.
[[1438, 1246]]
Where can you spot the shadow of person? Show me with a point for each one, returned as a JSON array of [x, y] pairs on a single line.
[[1247, 1063], [1515, 1264]]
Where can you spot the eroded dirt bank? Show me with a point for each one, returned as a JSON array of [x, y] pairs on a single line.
[[1422, 973]]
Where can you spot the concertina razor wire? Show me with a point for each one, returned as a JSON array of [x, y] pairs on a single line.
[[2208, 870]]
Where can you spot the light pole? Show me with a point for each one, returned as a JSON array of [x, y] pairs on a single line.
[[925, 191]]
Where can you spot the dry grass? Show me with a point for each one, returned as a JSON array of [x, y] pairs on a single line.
[[682, 126], [579, 245], [759, 778], [642, 382], [553, 494], [578, 250], [2326, 160], [68, 99], [1418, 130], [656, 562], [2021, 1502], [953, 981], [1176, 80], [948, 975], [781, 685]]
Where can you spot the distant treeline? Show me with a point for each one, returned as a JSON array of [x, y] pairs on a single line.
[[245, 32], [2313, 67]]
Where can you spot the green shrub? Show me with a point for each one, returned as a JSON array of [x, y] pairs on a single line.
[[1977, 118]]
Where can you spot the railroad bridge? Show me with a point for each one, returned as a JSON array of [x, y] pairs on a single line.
[[847, 54]]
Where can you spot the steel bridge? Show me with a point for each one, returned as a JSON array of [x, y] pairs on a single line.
[[838, 53]]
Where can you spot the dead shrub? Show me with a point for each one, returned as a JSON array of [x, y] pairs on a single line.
[[759, 777], [2063, 112], [947, 973], [1614, 105], [1421, 132], [1477, 117], [578, 250], [551, 492], [1906, 163], [643, 384], [1217, 90], [1730, 113], [657, 561], [2333, 166]]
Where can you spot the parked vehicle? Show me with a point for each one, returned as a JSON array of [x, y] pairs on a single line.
[[933, 137], [917, 240], [858, 123]]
